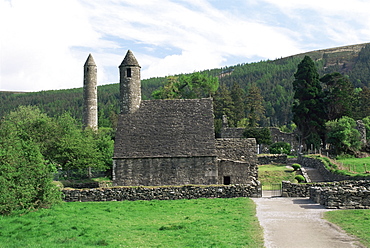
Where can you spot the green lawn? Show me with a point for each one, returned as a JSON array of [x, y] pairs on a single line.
[[356, 164], [355, 222], [272, 174], [179, 223]]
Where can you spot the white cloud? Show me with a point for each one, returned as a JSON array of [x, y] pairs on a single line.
[[36, 40], [204, 36], [46, 42], [335, 22]]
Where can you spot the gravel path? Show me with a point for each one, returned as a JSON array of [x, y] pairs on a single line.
[[298, 223]]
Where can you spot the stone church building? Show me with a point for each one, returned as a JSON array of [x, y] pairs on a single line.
[[172, 142]]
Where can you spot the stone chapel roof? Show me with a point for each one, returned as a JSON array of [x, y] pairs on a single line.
[[167, 128]]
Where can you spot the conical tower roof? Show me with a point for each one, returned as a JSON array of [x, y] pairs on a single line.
[[90, 61], [129, 60]]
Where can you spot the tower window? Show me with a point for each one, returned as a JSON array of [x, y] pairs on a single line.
[[128, 72]]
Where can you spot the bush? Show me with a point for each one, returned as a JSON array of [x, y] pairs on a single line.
[[296, 167], [280, 148], [25, 178], [300, 178]]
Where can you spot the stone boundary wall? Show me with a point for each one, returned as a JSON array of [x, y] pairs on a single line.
[[272, 159], [327, 175], [344, 194], [159, 193], [344, 197]]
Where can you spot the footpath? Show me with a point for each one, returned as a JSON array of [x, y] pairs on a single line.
[[299, 223]]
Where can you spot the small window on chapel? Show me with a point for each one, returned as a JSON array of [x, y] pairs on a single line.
[[128, 72]]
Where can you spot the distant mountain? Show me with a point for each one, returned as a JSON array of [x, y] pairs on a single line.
[[273, 77]]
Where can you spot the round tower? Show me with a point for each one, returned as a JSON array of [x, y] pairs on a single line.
[[90, 108], [130, 84]]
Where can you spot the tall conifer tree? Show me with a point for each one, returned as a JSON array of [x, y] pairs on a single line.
[[254, 105], [308, 107]]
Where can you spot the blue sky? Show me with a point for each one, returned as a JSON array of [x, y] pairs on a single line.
[[44, 43]]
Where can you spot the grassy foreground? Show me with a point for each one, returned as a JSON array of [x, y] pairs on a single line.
[[272, 173], [355, 222], [179, 223]]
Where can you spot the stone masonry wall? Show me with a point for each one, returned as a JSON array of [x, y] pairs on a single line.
[[272, 159], [238, 172], [347, 196], [238, 149], [344, 194], [159, 193], [165, 171]]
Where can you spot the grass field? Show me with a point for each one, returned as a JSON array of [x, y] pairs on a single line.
[[269, 174], [179, 223], [355, 222], [355, 164]]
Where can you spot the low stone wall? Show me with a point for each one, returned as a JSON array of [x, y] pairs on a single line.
[[344, 194], [327, 175], [272, 159], [159, 193], [344, 197]]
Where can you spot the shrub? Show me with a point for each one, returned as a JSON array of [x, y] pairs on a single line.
[[280, 148], [25, 178], [296, 167], [300, 178]]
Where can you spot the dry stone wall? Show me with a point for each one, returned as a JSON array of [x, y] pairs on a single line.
[[159, 193], [344, 194], [272, 159], [350, 196]]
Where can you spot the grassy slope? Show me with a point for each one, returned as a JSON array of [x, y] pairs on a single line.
[[356, 164], [180, 223], [355, 222], [269, 174]]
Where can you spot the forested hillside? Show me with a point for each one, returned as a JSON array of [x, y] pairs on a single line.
[[273, 78]]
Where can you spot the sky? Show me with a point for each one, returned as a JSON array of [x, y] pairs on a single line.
[[45, 43]]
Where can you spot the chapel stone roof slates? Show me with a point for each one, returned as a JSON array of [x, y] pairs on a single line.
[[167, 128]]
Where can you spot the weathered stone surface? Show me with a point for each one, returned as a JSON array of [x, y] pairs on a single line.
[[90, 94], [159, 193], [272, 159], [238, 149], [344, 194], [167, 128], [165, 171]]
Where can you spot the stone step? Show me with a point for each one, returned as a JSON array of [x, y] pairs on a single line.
[[314, 175]]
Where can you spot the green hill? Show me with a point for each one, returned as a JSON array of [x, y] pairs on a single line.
[[273, 77]]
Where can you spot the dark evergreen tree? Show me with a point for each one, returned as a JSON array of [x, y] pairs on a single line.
[[339, 95], [363, 107], [254, 105], [238, 99], [308, 108]]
